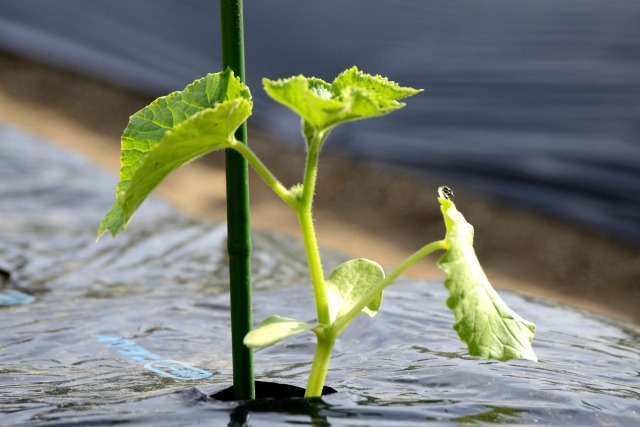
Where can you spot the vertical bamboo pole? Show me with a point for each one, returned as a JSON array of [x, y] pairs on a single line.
[[238, 224]]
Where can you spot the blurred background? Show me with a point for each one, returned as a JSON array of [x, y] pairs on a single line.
[[531, 113]]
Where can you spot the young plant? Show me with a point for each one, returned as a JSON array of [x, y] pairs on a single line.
[[175, 129]]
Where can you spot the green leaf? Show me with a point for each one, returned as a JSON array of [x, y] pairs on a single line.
[[172, 131], [273, 329], [483, 320], [349, 283], [353, 95]]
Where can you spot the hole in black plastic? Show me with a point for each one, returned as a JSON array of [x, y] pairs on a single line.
[[269, 390]]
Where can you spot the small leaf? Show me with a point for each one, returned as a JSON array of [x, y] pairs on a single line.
[[172, 131], [353, 95], [273, 329], [483, 320], [349, 283]]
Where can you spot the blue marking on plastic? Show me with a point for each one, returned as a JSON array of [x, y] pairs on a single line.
[[152, 362], [177, 370], [11, 297]]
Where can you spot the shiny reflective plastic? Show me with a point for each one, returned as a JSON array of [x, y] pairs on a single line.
[[163, 286]]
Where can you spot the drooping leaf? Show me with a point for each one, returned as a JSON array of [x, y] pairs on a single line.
[[172, 131], [483, 320], [349, 283], [273, 329], [353, 95]]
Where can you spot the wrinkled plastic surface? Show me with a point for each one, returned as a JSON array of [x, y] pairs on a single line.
[[110, 320]]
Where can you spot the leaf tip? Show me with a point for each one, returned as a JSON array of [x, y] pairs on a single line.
[[114, 221]]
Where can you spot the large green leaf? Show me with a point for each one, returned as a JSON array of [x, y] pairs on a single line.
[[349, 283], [172, 131], [273, 329], [353, 95], [483, 320]]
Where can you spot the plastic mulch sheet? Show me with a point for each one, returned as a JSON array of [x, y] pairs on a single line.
[[136, 330]]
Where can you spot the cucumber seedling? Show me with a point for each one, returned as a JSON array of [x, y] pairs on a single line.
[[182, 126]]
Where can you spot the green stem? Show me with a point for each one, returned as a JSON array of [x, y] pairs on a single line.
[[315, 265], [342, 322], [265, 174], [311, 171], [238, 224], [305, 217], [320, 366]]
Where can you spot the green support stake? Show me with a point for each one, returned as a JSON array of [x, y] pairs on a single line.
[[238, 224]]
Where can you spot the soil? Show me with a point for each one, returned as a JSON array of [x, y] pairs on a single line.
[[363, 209]]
